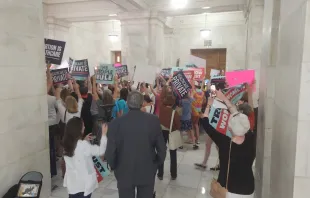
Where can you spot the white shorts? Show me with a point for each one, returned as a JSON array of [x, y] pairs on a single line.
[[232, 195]]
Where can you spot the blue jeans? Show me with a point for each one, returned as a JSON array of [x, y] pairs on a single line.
[[79, 195]]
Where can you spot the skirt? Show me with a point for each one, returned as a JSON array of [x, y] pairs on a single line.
[[186, 125]]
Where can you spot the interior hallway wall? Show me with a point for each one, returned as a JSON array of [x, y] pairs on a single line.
[[227, 31], [24, 128]]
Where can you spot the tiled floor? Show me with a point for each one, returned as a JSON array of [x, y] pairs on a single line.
[[191, 182]]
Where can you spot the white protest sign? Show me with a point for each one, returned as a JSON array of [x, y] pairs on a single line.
[[199, 62], [145, 74], [214, 72]]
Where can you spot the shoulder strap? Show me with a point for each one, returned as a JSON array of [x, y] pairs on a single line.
[[151, 108], [228, 167], [171, 122], [65, 118]]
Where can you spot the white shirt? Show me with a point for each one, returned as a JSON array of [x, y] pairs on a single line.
[[149, 109], [52, 114], [62, 111], [80, 171]]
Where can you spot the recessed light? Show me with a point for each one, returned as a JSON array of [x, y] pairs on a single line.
[[205, 8], [112, 15], [178, 4]]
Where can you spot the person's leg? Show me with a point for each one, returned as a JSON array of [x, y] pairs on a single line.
[[195, 120], [207, 153], [173, 164], [52, 150], [127, 192], [145, 191], [160, 173], [79, 195]]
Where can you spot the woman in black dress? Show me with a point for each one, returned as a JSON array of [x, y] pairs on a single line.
[[240, 147]]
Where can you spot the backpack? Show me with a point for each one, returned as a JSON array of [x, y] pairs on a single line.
[[105, 111]]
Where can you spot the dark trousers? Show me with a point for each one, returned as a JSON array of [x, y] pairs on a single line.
[[52, 132], [79, 195], [173, 159], [142, 192]]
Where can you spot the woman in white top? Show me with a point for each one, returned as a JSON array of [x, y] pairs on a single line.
[[72, 108], [80, 178], [148, 105]]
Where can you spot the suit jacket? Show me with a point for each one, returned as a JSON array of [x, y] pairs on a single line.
[[135, 148]]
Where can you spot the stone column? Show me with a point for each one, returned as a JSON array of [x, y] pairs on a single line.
[[23, 102], [266, 96], [142, 39]]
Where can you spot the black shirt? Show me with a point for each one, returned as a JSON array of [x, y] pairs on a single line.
[[86, 115], [241, 178]]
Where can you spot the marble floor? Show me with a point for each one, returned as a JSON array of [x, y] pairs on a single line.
[[191, 182]]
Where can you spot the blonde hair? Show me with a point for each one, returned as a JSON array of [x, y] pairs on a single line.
[[71, 104]]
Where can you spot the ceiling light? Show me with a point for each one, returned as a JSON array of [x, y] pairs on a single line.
[[113, 37], [112, 15], [178, 4], [205, 8], [205, 33]]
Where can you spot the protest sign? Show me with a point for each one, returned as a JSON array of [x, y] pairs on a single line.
[[180, 84], [105, 74], [214, 72], [191, 66], [145, 73], [199, 74], [101, 167], [54, 51], [199, 62], [165, 72], [121, 71], [189, 73], [79, 69], [219, 117], [70, 63], [234, 78], [60, 76]]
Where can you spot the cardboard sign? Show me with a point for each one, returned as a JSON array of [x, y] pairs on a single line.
[[199, 74], [105, 74], [79, 69], [121, 71], [54, 51], [234, 78], [199, 62], [165, 72], [145, 73], [191, 66], [219, 117], [60, 76], [180, 84], [101, 167]]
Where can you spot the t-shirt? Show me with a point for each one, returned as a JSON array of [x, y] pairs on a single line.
[[86, 114], [53, 119], [62, 111], [241, 178], [187, 108], [122, 106], [197, 103]]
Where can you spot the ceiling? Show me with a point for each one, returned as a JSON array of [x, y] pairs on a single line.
[[98, 10]]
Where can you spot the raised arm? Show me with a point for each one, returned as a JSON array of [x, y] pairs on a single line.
[[94, 88], [116, 89], [250, 94], [89, 85], [49, 80], [77, 89]]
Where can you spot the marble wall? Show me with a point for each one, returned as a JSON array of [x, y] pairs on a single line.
[[227, 31], [23, 102]]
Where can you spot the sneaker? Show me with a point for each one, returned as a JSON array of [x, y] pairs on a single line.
[[173, 178], [195, 147], [181, 147], [216, 168]]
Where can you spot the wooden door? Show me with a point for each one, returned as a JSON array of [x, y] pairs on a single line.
[[216, 59], [117, 57]]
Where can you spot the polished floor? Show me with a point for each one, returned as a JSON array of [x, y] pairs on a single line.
[[191, 182]]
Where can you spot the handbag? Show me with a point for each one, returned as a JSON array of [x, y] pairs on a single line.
[[175, 139], [217, 191]]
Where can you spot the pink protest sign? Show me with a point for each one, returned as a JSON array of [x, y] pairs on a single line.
[[117, 65], [234, 78]]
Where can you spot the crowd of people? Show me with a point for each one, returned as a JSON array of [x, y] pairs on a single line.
[[128, 125]]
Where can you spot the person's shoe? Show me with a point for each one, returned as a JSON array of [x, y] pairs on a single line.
[[195, 147], [197, 142], [200, 166], [160, 178], [173, 178], [216, 168], [181, 147]]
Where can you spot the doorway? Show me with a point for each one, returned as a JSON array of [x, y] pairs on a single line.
[[216, 59], [116, 57]]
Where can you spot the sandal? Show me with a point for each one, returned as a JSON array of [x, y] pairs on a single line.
[[200, 166]]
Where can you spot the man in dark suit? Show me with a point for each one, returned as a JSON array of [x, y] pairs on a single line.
[[135, 149]]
